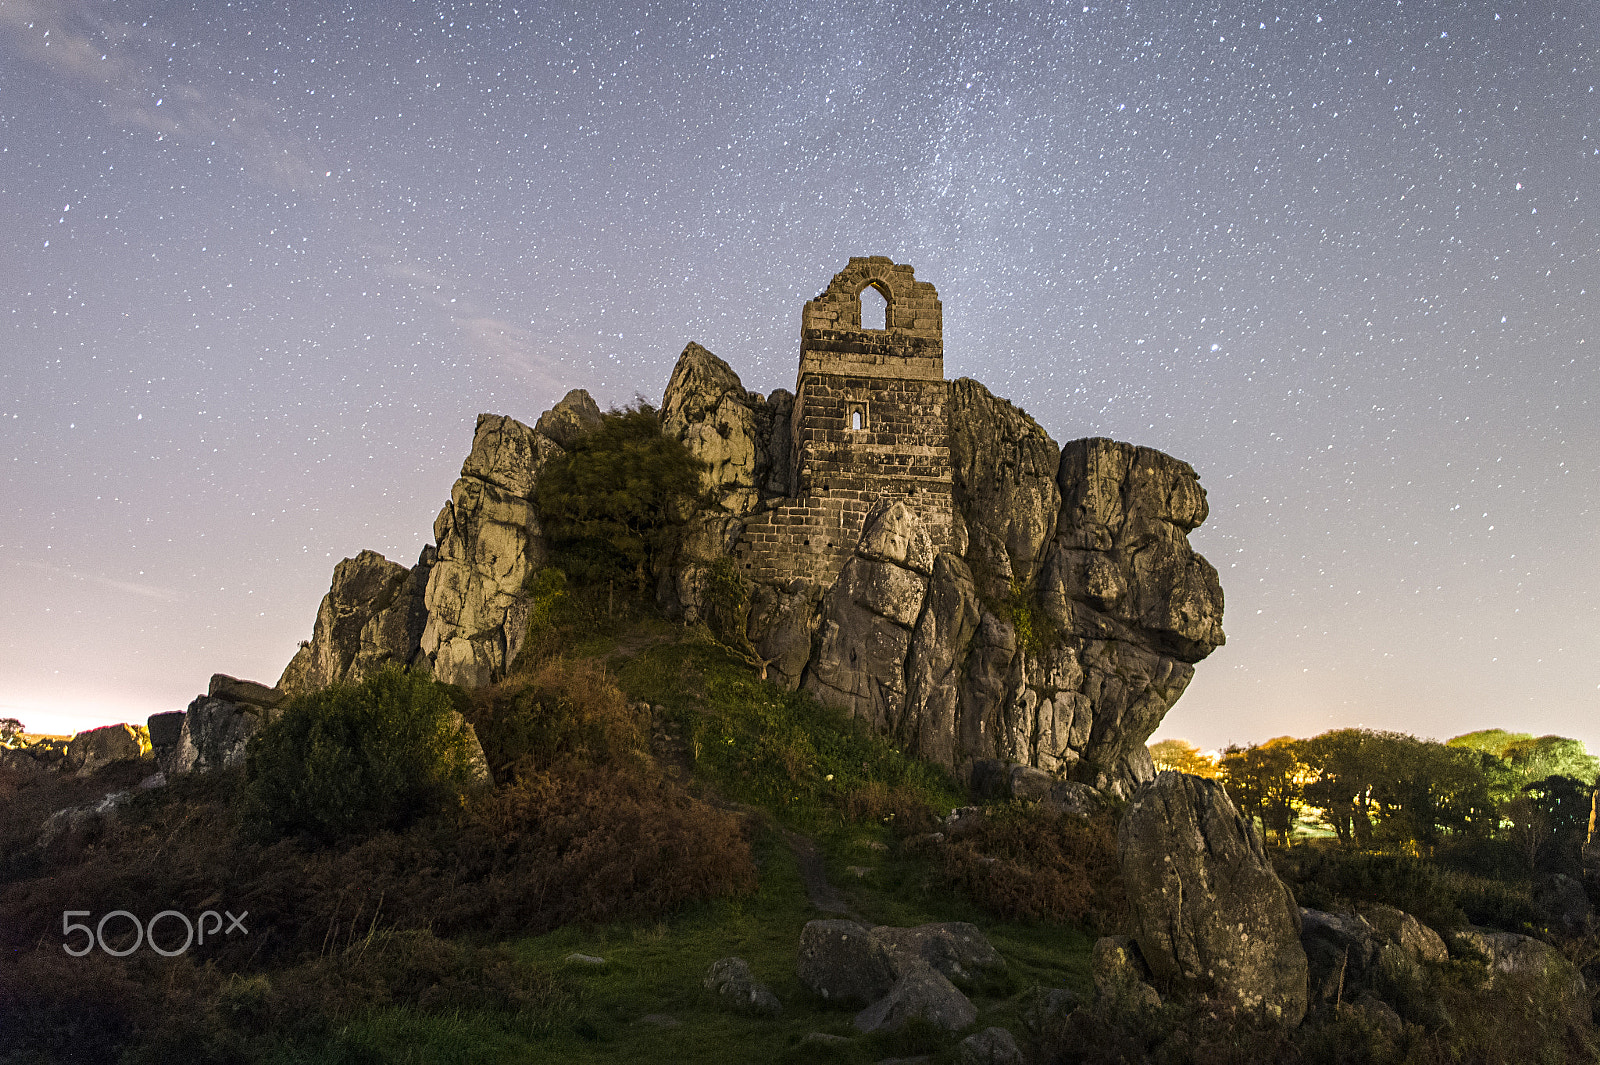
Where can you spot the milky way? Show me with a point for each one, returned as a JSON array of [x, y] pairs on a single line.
[[262, 269]]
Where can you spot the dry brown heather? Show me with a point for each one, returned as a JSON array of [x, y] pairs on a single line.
[[583, 828]]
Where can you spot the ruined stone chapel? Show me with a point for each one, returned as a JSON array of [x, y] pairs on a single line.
[[869, 424]]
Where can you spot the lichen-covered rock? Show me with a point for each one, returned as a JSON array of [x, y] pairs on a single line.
[[922, 993], [216, 730], [1526, 967], [1004, 478], [707, 408], [1211, 916], [245, 692], [932, 724], [489, 543], [1419, 942], [781, 625], [1121, 977], [867, 618], [373, 615], [97, 748], [956, 949], [563, 423], [737, 989], [1341, 955], [842, 961], [992, 1046], [1121, 564]]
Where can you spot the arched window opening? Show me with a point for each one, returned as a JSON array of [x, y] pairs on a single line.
[[874, 309], [855, 419]]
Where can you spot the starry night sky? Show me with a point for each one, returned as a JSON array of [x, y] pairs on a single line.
[[260, 270]]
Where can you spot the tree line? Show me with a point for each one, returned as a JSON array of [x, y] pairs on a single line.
[[1378, 790]]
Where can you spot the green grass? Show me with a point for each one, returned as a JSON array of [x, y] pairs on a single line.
[[802, 767], [783, 751], [656, 969]]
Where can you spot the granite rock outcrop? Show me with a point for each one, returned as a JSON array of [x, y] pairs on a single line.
[[916, 550], [1212, 919], [373, 615]]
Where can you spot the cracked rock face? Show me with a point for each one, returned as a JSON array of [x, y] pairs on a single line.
[[461, 610], [373, 614], [1052, 623], [1211, 916], [867, 619], [489, 544]]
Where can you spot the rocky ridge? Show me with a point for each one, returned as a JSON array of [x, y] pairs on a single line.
[[1054, 629]]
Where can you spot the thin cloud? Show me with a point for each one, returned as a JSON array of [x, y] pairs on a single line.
[[147, 591], [125, 65]]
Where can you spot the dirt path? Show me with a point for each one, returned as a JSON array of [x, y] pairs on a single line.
[[670, 750], [823, 895]]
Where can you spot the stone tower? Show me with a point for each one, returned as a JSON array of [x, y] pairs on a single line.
[[869, 423]]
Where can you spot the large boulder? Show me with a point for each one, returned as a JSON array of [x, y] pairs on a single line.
[[958, 950], [737, 989], [1121, 977], [1211, 917], [372, 615], [707, 408], [97, 748], [1121, 564], [575, 415], [217, 726], [921, 993], [868, 616], [1342, 952], [1003, 469], [842, 961], [1417, 940]]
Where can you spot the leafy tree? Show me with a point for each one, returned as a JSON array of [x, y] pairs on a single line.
[[1388, 787], [1560, 806], [355, 759], [11, 731], [1495, 741], [1183, 757], [1264, 781], [1550, 756], [1527, 828], [613, 505], [1345, 769], [1435, 789]]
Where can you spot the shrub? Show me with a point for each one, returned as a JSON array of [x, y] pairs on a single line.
[[805, 762], [612, 505], [1024, 862], [561, 716], [354, 759]]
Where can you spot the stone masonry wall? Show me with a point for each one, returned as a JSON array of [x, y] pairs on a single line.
[[869, 422]]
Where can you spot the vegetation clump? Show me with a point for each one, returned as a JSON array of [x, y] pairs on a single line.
[[354, 759], [1024, 862], [611, 507]]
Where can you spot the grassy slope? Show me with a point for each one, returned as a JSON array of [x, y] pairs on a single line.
[[747, 741]]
